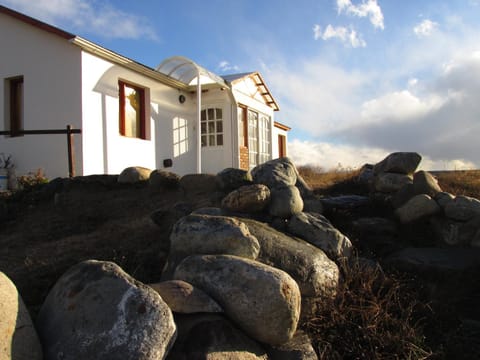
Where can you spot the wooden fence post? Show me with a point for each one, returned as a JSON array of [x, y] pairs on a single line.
[[71, 153]]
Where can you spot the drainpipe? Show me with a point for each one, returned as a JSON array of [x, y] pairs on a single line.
[[199, 131]]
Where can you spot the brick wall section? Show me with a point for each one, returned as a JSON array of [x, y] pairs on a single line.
[[244, 158]]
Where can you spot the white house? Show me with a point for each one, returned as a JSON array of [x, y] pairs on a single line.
[[180, 116]]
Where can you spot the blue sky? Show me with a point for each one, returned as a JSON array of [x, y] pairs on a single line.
[[355, 79]]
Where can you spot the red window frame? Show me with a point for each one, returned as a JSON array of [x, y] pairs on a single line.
[[143, 120]]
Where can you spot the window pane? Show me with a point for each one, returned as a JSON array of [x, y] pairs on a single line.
[[211, 127], [219, 126], [211, 140], [211, 115], [219, 140], [219, 114], [204, 140], [203, 115], [204, 127]]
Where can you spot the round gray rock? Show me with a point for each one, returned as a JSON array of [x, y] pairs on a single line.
[[285, 201], [199, 184], [250, 198], [425, 183], [462, 208], [262, 300], [418, 207], [318, 231], [134, 174], [18, 338], [160, 179], [274, 173], [398, 162], [390, 182], [182, 297], [230, 178], [204, 234], [97, 311]]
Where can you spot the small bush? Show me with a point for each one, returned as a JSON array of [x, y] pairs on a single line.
[[32, 179], [374, 316]]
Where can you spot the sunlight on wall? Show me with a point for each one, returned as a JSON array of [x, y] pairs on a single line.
[[180, 136]]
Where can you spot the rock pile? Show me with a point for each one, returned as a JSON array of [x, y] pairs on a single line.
[[239, 277]]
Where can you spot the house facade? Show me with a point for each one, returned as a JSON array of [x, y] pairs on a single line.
[[179, 117]]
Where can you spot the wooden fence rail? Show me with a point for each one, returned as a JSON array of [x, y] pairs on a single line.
[[69, 131]]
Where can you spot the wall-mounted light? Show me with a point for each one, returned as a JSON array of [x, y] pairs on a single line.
[[181, 99]]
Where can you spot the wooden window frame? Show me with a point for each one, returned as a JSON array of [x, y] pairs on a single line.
[[207, 133], [15, 105], [143, 118]]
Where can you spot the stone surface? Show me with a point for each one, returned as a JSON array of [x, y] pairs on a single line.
[[462, 208], [425, 183], [343, 202], [204, 234], [18, 338], [182, 297], [285, 201], [250, 198], [401, 197], [231, 179], [275, 173], [260, 299], [160, 179], [318, 231], [305, 190], [134, 174], [365, 175], [314, 272], [172, 215], [390, 182], [443, 199], [453, 232], [418, 207], [375, 225], [209, 336], [313, 205], [199, 184], [298, 348], [96, 310], [398, 162]]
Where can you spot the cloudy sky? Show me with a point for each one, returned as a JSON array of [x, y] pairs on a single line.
[[355, 79]]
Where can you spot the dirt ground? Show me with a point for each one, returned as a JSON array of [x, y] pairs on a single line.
[[48, 229]]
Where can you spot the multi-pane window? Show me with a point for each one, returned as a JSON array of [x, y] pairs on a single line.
[[263, 139], [180, 136], [132, 111], [259, 138], [14, 104], [252, 138], [212, 127]]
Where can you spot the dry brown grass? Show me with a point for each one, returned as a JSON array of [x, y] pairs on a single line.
[[461, 182], [320, 179], [374, 316]]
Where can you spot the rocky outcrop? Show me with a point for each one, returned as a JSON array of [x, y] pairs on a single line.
[[285, 202], [18, 338], [262, 300], [160, 179], [95, 310]]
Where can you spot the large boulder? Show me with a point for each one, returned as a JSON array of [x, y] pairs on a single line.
[[315, 274], [318, 231], [298, 348], [398, 162], [418, 207], [231, 179], [462, 208], [425, 183], [274, 173], [260, 299], [247, 199], [161, 179], [390, 182], [182, 297], [204, 234], [285, 201], [134, 174], [96, 310], [18, 338]]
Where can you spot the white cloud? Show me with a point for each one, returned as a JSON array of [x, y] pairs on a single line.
[[86, 15], [347, 36], [225, 66], [425, 28], [368, 8]]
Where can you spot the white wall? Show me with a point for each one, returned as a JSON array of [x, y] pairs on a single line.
[[275, 150], [50, 66], [106, 151]]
